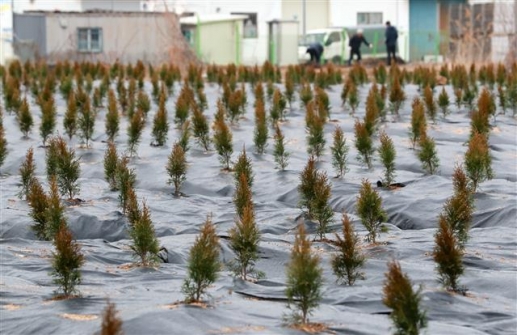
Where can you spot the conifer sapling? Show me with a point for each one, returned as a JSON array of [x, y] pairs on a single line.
[[308, 178], [244, 241], [112, 117], [66, 261], [363, 144], [144, 242], [110, 165], [448, 256], [177, 168], [320, 208], [339, 151], [427, 153], [24, 118], [347, 262], [203, 263], [200, 129], [27, 170], [243, 196], [243, 165], [387, 155], [280, 153], [261, 129], [38, 203], [70, 118], [134, 132], [444, 102], [48, 119], [223, 142], [126, 180], [3, 142], [430, 103], [369, 209], [478, 162], [160, 125], [398, 295], [184, 138], [304, 278], [111, 323], [458, 209], [418, 121], [86, 122], [54, 214]]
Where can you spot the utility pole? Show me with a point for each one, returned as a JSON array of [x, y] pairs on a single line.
[[304, 19]]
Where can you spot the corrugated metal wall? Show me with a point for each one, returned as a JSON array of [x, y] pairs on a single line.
[[30, 36], [423, 28], [221, 42]]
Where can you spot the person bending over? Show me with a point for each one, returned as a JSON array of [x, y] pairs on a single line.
[[315, 50], [355, 46]]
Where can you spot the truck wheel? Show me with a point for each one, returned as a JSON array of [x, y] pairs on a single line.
[[336, 60]]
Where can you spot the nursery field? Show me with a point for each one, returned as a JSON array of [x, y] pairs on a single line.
[[149, 299]]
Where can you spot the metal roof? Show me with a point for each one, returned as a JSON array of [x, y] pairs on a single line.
[[212, 18]]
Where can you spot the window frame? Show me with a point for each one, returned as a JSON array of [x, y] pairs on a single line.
[[89, 32], [368, 18], [332, 38]]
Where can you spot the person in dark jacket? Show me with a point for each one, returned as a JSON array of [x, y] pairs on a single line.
[[391, 41], [355, 46], [315, 50]]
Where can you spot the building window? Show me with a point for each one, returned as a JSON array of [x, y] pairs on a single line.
[[89, 39], [369, 18], [250, 25]]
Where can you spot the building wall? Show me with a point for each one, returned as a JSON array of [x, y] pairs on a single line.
[[127, 37], [115, 5], [220, 42], [31, 36], [21, 6], [317, 13], [344, 12], [6, 31]]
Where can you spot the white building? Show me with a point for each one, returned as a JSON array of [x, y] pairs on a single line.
[[76, 5]]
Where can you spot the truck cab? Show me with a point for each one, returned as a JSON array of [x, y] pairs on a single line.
[[331, 39]]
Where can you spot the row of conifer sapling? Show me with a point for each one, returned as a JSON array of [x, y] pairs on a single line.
[[314, 199], [187, 100]]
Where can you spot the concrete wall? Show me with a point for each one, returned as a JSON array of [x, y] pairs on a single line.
[[46, 5], [317, 13], [344, 12], [31, 36], [115, 5], [127, 37], [220, 42], [6, 31]]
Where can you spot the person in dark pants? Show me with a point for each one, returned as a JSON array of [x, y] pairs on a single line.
[[391, 41], [355, 46], [315, 50]]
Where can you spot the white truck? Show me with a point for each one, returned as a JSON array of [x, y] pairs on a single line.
[[335, 43]]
